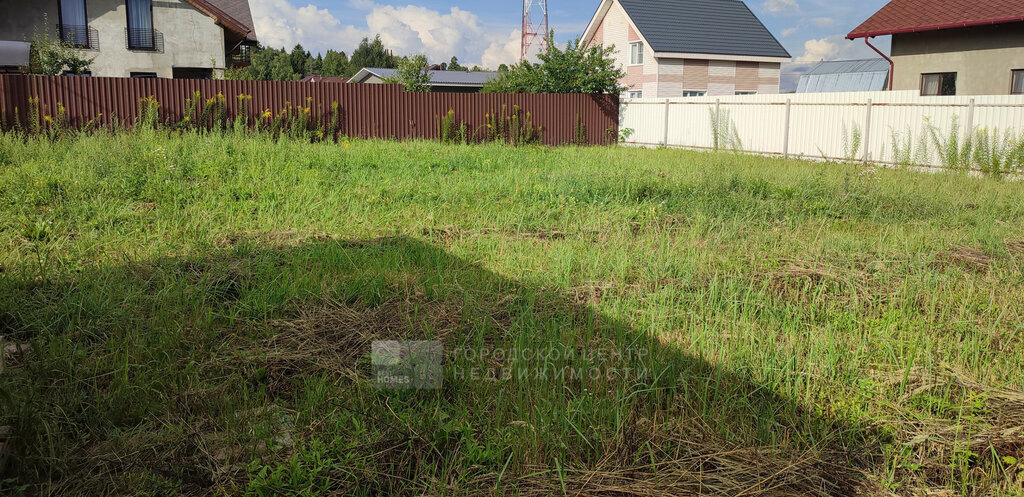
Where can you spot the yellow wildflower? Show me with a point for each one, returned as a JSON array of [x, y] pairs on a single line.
[[188, 118], [47, 118]]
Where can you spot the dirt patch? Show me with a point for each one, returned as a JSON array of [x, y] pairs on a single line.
[[274, 239], [967, 257]]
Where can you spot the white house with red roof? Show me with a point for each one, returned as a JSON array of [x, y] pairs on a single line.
[[952, 47]]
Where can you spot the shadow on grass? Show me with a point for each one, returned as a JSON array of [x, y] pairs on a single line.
[[248, 369]]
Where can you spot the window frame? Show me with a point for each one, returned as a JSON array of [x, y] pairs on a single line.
[[1013, 79], [639, 45], [743, 93], [143, 75], [942, 79], [128, 29], [699, 93], [63, 32], [631, 93]]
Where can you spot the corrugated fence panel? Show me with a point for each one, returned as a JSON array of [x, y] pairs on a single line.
[[815, 128], [366, 110]]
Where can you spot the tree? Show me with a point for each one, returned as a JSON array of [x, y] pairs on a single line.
[[454, 65], [335, 64], [317, 66], [266, 64], [51, 57], [503, 68], [300, 60], [370, 54], [412, 74], [577, 69]]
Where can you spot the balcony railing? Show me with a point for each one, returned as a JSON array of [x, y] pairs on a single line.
[[241, 56], [144, 40], [79, 36]]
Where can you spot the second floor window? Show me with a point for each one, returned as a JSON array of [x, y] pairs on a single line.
[[74, 25], [636, 53], [140, 25], [1017, 82]]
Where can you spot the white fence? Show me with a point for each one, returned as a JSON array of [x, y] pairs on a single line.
[[812, 125]]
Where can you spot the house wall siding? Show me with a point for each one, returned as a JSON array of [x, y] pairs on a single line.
[[190, 38], [983, 57]]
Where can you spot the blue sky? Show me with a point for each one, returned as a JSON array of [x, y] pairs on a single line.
[[487, 33]]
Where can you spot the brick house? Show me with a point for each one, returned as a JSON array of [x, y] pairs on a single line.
[[679, 48]]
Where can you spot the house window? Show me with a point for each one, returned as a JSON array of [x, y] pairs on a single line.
[[939, 84], [694, 93], [635, 94], [140, 25], [143, 75], [636, 53], [1017, 86], [746, 93], [74, 24]]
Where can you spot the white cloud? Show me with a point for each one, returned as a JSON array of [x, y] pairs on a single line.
[[779, 7], [407, 30], [824, 22], [835, 47], [786, 33], [280, 24]]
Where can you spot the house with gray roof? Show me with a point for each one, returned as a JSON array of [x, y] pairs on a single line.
[[440, 81], [681, 48]]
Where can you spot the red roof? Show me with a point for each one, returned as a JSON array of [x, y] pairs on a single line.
[[909, 16]]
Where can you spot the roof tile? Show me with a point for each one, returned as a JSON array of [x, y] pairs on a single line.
[[907, 16]]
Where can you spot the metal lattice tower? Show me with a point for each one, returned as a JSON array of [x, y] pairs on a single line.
[[535, 26]]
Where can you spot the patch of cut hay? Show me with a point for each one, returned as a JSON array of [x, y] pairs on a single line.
[[995, 434], [968, 257]]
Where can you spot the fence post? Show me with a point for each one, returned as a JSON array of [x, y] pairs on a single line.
[[785, 131], [867, 134], [969, 131], [718, 121], [665, 140]]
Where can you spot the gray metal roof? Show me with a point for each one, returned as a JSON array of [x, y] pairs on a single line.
[[14, 53], [720, 27], [443, 78], [845, 75]]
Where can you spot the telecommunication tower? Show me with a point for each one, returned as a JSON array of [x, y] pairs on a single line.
[[535, 26]]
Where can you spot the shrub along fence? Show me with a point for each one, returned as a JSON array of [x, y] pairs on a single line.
[[41, 103]]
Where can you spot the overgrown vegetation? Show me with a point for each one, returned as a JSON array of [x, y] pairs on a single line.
[[577, 69], [187, 312], [51, 56], [413, 74], [724, 134]]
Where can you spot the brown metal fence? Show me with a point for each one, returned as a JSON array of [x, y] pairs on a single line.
[[365, 110]]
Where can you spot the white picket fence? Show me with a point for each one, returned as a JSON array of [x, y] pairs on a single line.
[[812, 125]]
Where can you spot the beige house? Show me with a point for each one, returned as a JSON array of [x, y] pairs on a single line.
[[681, 48], [952, 47], [138, 38]]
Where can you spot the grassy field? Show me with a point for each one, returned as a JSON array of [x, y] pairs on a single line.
[[197, 313]]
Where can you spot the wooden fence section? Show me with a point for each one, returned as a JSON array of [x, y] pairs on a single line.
[[812, 125], [366, 110]]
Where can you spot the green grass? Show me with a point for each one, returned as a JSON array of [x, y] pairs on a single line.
[[200, 311]]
